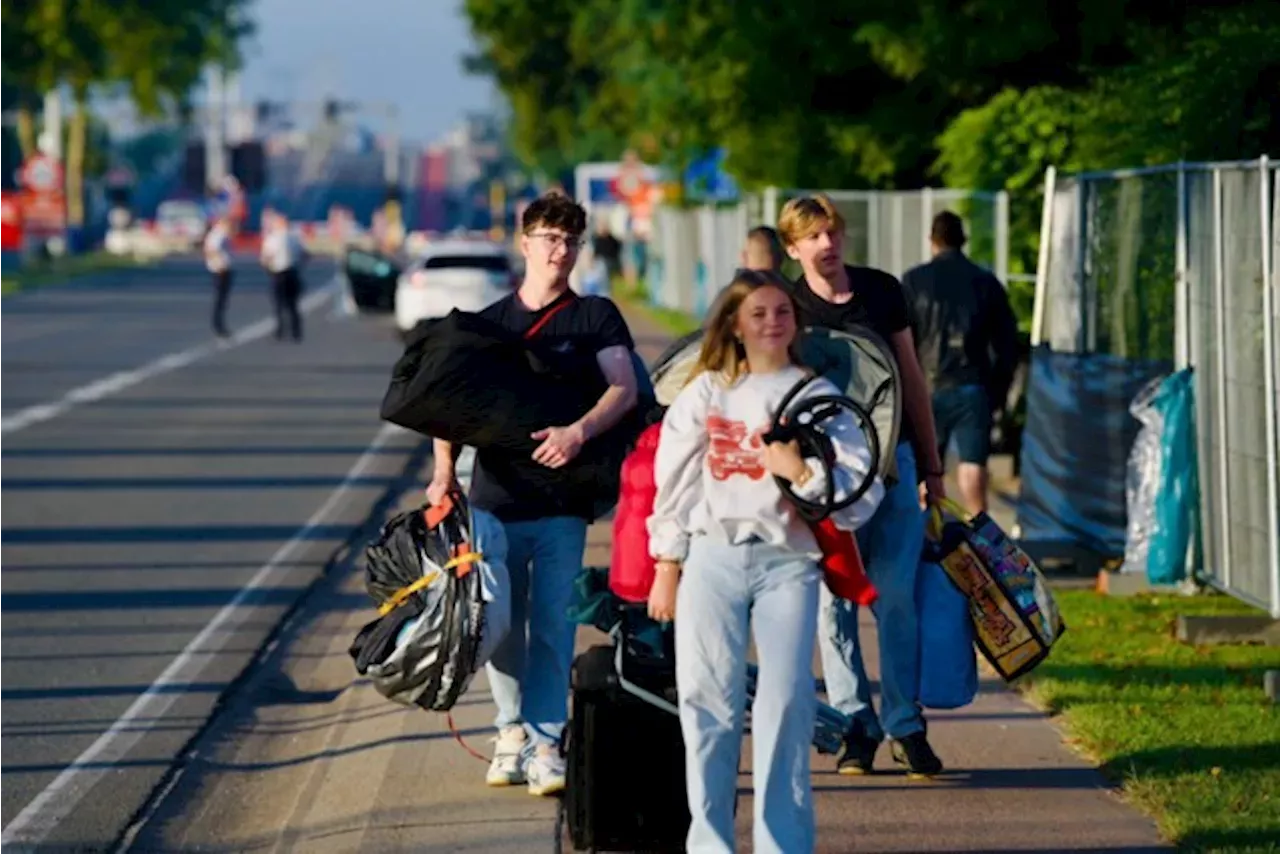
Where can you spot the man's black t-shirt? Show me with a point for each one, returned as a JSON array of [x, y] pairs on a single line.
[[580, 327], [878, 303]]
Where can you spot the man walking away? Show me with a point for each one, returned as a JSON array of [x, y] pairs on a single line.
[[546, 534], [834, 295], [763, 250], [217, 258], [967, 338], [282, 255]]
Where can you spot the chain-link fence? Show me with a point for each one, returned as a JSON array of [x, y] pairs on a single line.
[[1177, 263], [693, 252]]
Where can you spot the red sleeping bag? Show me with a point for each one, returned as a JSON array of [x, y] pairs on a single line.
[[631, 569]]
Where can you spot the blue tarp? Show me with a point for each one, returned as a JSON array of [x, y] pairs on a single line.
[[1076, 445]]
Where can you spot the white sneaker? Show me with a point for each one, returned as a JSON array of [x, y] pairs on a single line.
[[507, 767], [545, 771]]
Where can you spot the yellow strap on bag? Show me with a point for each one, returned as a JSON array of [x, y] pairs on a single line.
[[936, 508], [402, 595], [467, 557]]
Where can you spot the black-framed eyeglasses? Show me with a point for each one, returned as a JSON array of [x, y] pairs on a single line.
[[554, 239]]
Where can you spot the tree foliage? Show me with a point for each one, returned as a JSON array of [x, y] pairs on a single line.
[[877, 93], [155, 49], [978, 94]]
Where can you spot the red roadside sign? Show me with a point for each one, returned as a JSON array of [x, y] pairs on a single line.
[[10, 223], [43, 200]]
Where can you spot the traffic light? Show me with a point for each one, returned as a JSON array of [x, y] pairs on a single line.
[[249, 166], [193, 169]]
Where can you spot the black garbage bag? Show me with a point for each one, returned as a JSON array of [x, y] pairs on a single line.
[[439, 578], [471, 382]]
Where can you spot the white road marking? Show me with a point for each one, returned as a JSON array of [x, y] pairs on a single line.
[[60, 798], [121, 380]]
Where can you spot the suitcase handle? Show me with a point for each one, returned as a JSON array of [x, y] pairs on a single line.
[[630, 687]]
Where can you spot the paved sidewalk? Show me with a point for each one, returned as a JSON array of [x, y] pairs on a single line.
[[308, 758]]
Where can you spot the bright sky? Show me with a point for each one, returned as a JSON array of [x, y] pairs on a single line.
[[404, 51]]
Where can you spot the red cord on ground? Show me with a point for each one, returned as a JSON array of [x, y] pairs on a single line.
[[465, 746]]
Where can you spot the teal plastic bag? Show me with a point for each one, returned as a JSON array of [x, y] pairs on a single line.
[[1177, 500]]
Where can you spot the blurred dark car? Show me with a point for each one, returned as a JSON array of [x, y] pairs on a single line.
[[372, 277]]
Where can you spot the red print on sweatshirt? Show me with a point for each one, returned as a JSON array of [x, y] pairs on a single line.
[[731, 450]]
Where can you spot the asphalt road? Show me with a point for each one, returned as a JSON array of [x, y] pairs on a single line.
[[166, 501]]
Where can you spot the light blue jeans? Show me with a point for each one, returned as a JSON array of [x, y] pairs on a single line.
[[723, 590], [529, 671], [890, 544]]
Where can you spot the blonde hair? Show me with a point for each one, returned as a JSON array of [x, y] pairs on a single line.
[[722, 353], [805, 216]]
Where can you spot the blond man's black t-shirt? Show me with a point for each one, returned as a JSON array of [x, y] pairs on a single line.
[[576, 329], [878, 303]]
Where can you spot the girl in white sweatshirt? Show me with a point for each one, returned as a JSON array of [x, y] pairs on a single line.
[[731, 551]]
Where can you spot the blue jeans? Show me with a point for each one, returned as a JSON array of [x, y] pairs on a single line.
[[890, 544], [723, 589], [529, 671]]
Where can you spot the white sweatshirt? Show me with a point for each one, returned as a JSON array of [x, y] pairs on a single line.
[[710, 471]]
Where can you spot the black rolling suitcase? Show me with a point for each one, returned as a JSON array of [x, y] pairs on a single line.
[[625, 778]]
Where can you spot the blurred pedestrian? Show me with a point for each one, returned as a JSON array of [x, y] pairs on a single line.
[[282, 256], [763, 250], [967, 338], [217, 259]]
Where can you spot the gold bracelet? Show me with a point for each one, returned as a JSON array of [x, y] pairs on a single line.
[[804, 478]]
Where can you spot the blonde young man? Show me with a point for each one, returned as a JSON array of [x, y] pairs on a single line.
[[835, 295]]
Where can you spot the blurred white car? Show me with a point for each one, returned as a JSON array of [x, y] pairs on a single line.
[[464, 274], [181, 224]]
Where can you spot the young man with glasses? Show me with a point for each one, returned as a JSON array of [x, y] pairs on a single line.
[[835, 295], [546, 535]]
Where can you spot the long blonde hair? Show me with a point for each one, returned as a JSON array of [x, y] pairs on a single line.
[[722, 353]]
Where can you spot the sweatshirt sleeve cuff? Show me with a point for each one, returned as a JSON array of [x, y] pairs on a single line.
[[669, 547]]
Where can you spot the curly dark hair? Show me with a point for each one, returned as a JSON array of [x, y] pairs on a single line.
[[555, 210]]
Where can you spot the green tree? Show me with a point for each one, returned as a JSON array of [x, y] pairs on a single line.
[[555, 83], [154, 48]]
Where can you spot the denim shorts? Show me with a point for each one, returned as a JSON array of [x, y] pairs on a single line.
[[962, 414]]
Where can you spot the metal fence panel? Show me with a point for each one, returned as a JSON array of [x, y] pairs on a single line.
[[1132, 270], [692, 254], [1180, 262], [1059, 301], [1246, 393], [1271, 293], [1205, 353]]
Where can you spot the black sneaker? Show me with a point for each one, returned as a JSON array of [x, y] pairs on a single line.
[[913, 752], [858, 753]]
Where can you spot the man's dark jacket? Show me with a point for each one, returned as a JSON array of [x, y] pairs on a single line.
[[965, 331]]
